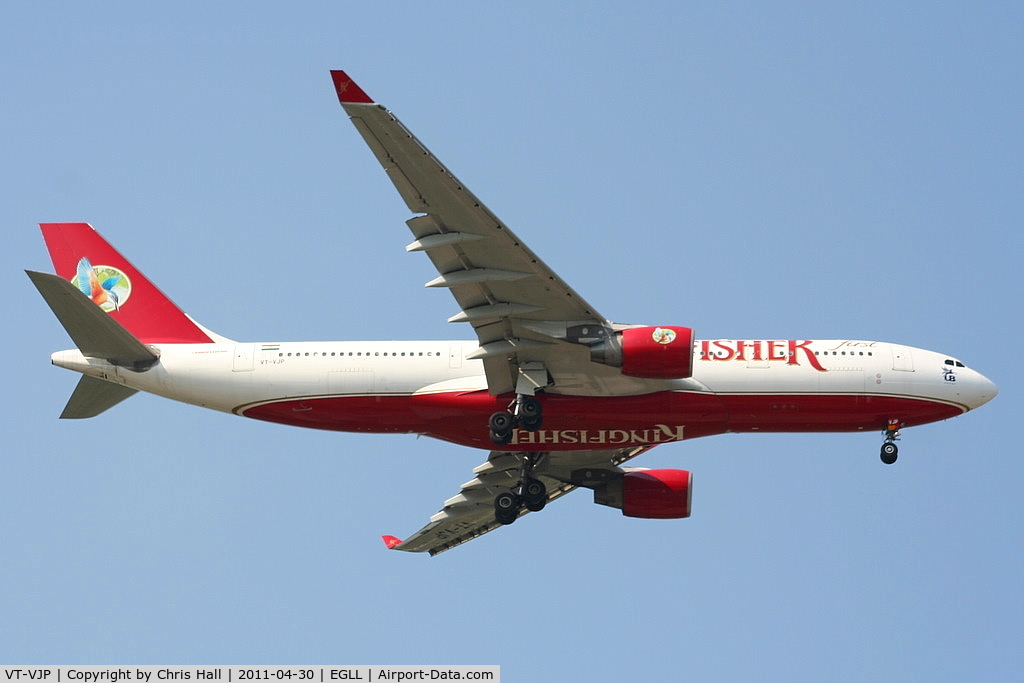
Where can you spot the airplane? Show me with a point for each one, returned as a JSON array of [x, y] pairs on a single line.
[[561, 397]]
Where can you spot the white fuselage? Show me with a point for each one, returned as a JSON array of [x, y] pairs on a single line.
[[430, 387]]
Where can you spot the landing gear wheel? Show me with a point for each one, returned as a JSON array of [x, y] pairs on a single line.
[[506, 507], [529, 409], [500, 422], [889, 452], [535, 495], [505, 518], [524, 411], [527, 412], [501, 428], [532, 424]]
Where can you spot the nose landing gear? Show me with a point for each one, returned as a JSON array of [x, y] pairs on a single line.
[[889, 449], [525, 411]]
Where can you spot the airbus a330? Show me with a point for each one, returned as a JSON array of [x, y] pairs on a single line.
[[561, 397]]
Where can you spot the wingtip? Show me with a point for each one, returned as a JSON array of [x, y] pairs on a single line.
[[348, 91], [390, 541]]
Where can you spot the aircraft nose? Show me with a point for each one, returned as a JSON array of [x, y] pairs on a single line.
[[982, 390]]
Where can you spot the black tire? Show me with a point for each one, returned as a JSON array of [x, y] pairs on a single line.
[[534, 488], [505, 517], [532, 424], [535, 495], [529, 408], [500, 423], [889, 452], [501, 439], [506, 507], [506, 501]]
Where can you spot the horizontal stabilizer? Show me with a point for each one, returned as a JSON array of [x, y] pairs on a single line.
[[94, 332], [93, 396]]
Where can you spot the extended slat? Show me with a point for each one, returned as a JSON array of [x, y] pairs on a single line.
[[493, 312], [473, 276], [442, 239]]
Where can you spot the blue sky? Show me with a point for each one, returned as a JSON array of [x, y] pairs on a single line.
[[795, 171]]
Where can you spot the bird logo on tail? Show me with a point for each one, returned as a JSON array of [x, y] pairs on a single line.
[[108, 287]]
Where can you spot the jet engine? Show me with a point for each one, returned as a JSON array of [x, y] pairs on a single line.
[[650, 494], [664, 352]]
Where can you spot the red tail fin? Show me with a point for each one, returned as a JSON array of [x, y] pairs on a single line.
[[81, 255]]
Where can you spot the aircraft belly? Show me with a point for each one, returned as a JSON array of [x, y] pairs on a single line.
[[570, 422]]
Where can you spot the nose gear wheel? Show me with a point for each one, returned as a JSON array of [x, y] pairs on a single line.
[[889, 448]]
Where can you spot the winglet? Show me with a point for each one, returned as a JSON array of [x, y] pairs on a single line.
[[347, 89], [391, 541]]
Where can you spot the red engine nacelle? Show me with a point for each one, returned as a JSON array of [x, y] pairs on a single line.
[[657, 494], [657, 352], [650, 494]]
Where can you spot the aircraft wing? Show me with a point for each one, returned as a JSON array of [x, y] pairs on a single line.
[[530, 323], [470, 513]]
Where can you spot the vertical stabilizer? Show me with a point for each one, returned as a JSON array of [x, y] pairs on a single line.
[[81, 256]]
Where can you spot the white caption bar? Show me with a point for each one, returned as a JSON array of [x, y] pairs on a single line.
[[246, 674]]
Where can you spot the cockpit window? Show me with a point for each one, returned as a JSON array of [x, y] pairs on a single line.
[[956, 363]]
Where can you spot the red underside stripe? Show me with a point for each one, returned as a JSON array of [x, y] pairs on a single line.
[[574, 423]]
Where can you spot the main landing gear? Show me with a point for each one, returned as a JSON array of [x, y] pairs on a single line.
[[524, 411], [531, 494], [889, 449]]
